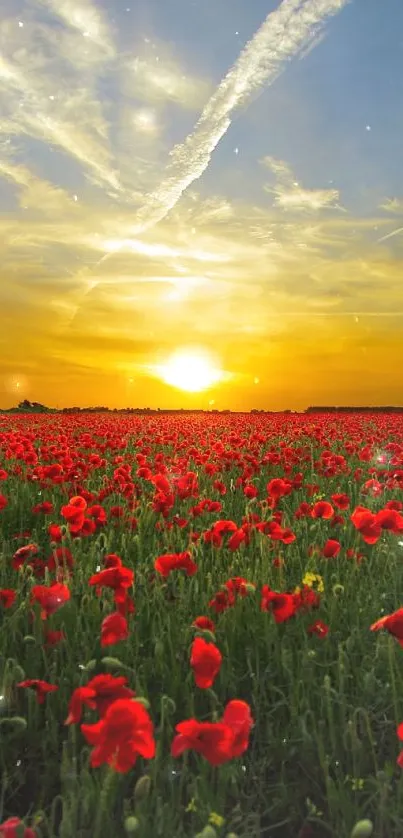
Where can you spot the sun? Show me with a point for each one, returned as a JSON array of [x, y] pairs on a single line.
[[192, 371]]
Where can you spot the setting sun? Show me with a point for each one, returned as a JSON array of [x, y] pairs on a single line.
[[191, 371]]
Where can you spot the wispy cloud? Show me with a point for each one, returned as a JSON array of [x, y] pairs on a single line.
[[156, 77], [290, 195], [84, 17], [394, 205], [43, 90]]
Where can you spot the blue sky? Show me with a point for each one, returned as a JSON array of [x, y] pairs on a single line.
[[161, 184]]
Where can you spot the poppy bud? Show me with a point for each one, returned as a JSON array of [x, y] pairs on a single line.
[[207, 832], [143, 701], [169, 703], [113, 664], [131, 825], [362, 829], [18, 672], [90, 666], [142, 788]]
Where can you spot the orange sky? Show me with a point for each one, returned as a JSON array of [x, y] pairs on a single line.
[[146, 208]]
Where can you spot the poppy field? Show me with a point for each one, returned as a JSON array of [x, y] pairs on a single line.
[[201, 626]]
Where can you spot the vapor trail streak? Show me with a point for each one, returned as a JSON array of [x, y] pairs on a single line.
[[285, 33], [391, 235]]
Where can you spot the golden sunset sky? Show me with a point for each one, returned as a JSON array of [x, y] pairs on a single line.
[[216, 178]]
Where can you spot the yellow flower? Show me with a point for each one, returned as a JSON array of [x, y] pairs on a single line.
[[216, 820], [314, 580], [357, 784]]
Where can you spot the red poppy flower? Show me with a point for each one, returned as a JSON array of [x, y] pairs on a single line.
[[390, 519], [238, 717], [250, 491], [204, 623], [46, 507], [23, 554], [14, 828], [277, 488], [42, 688], [78, 502], [217, 742], [3, 502], [53, 638], [400, 735], [282, 606], [241, 536], [393, 623], [175, 561], [116, 577], [275, 531], [318, 627], [205, 660], [341, 500], [222, 600], [322, 509], [124, 733], [114, 629], [50, 598], [7, 597], [213, 741], [331, 549], [239, 586], [112, 560], [73, 514], [394, 504], [100, 692], [366, 524], [303, 511], [55, 532], [278, 562], [306, 598]]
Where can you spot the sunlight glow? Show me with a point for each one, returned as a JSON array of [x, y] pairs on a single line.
[[192, 371], [145, 120]]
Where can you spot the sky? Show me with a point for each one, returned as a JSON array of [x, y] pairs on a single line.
[[218, 182]]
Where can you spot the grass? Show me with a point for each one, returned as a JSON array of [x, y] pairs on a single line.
[[322, 753]]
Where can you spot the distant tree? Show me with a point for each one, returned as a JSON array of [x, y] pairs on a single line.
[[32, 407]]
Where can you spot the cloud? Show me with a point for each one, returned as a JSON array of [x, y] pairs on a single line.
[[84, 17], [394, 205], [283, 35], [309, 199], [44, 89], [34, 192], [290, 195], [154, 76]]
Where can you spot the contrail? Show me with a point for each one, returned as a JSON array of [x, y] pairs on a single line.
[[285, 33], [390, 235]]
